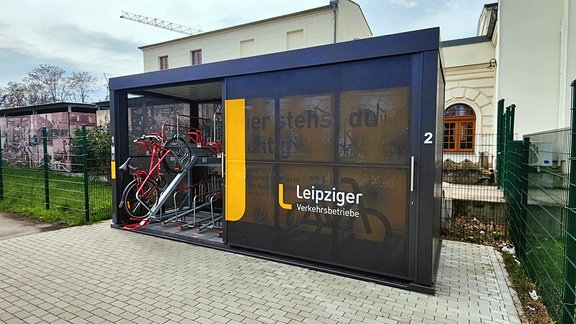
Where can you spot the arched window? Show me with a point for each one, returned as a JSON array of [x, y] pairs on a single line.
[[459, 128]]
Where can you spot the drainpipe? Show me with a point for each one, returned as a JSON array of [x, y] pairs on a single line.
[[334, 4]]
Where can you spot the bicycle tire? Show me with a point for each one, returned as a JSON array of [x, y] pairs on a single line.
[[371, 226], [179, 155], [139, 208]]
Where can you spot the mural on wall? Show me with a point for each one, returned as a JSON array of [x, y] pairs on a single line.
[[102, 118], [22, 142], [146, 117]]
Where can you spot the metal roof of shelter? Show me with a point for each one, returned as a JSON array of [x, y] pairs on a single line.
[[49, 108], [203, 82]]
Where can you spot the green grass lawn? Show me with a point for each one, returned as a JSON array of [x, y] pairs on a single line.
[[24, 193], [544, 261]]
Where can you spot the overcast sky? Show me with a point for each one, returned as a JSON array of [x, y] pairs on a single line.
[[90, 36]]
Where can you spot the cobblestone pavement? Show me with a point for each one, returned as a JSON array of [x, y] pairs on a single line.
[[96, 274], [14, 225]]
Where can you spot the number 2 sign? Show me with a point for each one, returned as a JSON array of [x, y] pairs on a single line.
[[428, 138]]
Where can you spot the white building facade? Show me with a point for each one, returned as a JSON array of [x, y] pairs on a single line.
[[470, 101], [522, 55], [338, 21], [536, 46]]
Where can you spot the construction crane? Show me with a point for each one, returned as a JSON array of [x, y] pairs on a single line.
[[160, 23]]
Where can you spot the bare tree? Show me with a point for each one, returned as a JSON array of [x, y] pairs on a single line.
[[82, 84], [16, 95], [49, 82]]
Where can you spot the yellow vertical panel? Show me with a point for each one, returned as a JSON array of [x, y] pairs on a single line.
[[235, 159], [113, 169]]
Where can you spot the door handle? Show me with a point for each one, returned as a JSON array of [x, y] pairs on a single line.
[[412, 173]]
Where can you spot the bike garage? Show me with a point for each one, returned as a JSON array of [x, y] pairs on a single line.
[[329, 157]]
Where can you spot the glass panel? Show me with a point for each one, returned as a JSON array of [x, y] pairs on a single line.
[[151, 115], [364, 210], [260, 129], [163, 62], [374, 126], [327, 181], [196, 57], [296, 180], [306, 128], [459, 110], [382, 205], [466, 135], [449, 131], [260, 192], [376, 238]]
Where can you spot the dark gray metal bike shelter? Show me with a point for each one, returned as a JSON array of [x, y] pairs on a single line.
[[332, 154]]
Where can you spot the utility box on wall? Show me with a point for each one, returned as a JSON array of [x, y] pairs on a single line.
[[342, 161]]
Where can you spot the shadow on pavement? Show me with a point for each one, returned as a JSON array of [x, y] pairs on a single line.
[[15, 225]]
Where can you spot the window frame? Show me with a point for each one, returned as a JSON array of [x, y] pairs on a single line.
[[463, 130], [163, 62], [193, 56]]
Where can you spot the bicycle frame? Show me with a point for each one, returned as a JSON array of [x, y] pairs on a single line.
[[152, 145], [158, 153]]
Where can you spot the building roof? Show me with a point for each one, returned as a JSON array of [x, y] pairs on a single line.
[[49, 108], [465, 41], [250, 24], [488, 19]]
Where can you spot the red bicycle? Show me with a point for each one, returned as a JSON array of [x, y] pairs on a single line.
[[206, 135], [142, 193]]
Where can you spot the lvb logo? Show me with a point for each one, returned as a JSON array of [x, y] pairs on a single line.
[[318, 196], [281, 197]]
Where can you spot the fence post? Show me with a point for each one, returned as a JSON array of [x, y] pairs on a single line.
[[510, 128], [500, 143], [513, 193], [507, 137], [85, 172], [523, 188], [505, 115], [46, 182], [570, 251], [1, 169]]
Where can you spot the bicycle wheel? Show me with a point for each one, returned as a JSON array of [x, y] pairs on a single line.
[[179, 155], [137, 205], [371, 226]]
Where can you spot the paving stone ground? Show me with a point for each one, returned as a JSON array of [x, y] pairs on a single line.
[[14, 225], [96, 274]]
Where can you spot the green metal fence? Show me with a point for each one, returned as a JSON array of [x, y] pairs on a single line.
[[59, 180], [540, 193], [474, 206]]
